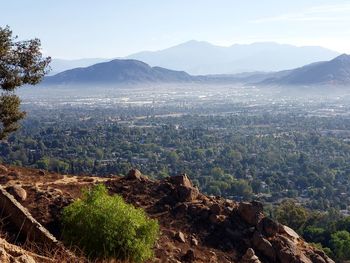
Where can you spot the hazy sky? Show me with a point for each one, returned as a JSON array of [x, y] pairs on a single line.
[[112, 28]]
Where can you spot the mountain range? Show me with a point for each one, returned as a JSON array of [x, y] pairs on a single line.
[[201, 58], [333, 72]]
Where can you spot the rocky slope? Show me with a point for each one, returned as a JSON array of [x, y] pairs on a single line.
[[195, 227]]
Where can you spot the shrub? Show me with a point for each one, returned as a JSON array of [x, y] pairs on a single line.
[[104, 226]]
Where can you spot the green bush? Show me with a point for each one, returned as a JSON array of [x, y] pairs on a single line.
[[104, 226]]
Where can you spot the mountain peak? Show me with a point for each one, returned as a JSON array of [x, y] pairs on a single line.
[[343, 57], [118, 71]]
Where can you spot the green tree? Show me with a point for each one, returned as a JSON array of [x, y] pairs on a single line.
[[291, 214], [340, 243], [21, 62]]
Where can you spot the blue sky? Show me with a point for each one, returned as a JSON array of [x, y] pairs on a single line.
[[112, 28]]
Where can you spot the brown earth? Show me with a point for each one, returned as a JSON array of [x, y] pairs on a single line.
[[194, 227]]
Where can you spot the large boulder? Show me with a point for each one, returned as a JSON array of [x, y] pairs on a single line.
[[264, 246], [269, 227], [134, 174], [251, 213], [183, 189], [181, 180], [186, 194]]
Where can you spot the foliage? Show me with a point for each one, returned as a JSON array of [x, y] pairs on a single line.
[[21, 62], [340, 242], [105, 226], [288, 213]]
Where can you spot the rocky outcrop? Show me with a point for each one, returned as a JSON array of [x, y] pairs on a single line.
[[21, 219], [194, 227]]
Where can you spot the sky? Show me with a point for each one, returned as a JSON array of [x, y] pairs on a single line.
[[74, 29]]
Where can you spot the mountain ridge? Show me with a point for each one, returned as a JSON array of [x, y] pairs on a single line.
[[201, 57], [333, 72]]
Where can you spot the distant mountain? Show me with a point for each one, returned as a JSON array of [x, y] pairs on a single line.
[[58, 65], [333, 72], [198, 57], [118, 71]]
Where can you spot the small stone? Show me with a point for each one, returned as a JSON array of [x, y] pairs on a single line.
[[189, 256], [194, 241], [3, 169], [250, 257], [18, 192], [180, 237], [41, 172]]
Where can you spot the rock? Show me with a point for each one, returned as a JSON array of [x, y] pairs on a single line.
[[180, 237], [3, 179], [180, 210], [13, 254], [194, 241], [25, 259], [268, 227], [215, 209], [18, 192], [250, 257], [264, 246], [134, 174], [14, 174], [186, 194], [189, 256], [251, 213], [290, 232], [216, 219], [287, 250], [181, 180], [41, 172], [3, 169]]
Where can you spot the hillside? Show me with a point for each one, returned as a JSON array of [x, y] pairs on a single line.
[[59, 65], [117, 71], [195, 227], [333, 72], [202, 58]]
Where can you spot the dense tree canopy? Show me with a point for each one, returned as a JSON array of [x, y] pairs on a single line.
[[21, 62]]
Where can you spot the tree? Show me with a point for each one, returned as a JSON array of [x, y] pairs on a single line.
[[340, 242], [21, 62], [291, 214]]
